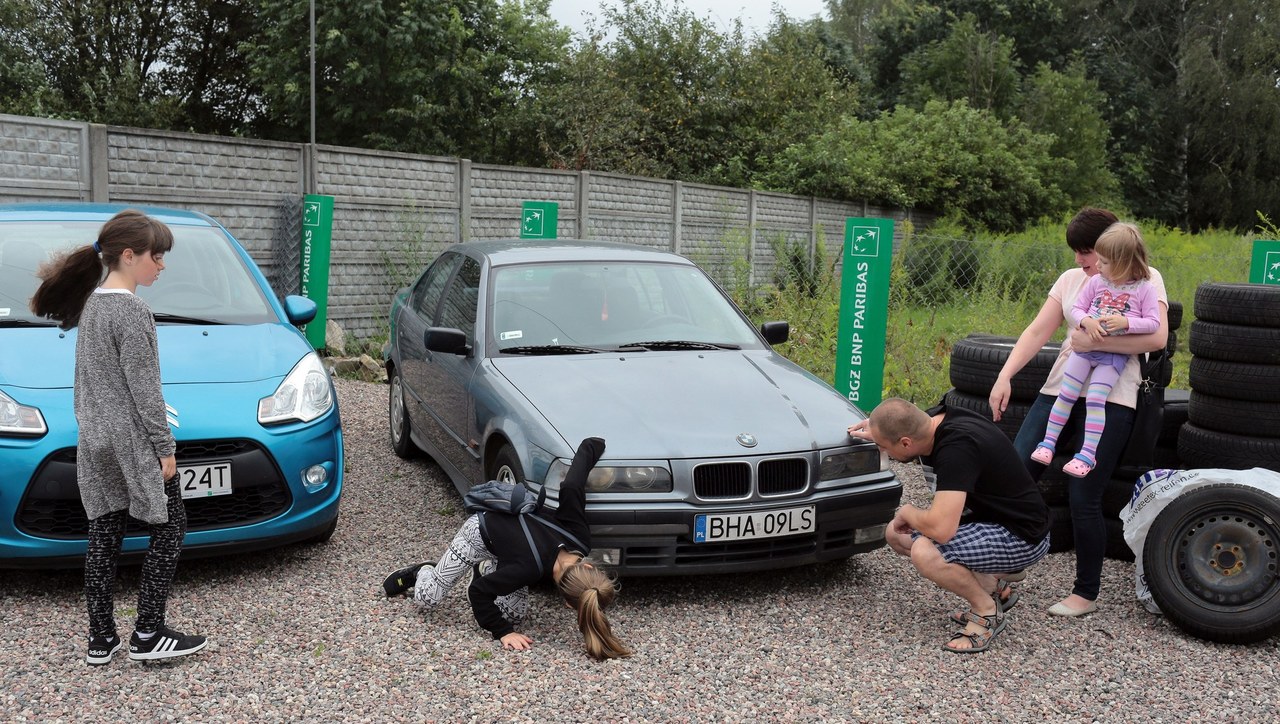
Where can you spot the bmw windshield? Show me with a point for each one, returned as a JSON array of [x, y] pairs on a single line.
[[598, 306]]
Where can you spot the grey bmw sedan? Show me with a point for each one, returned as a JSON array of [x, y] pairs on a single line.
[[721, 455]]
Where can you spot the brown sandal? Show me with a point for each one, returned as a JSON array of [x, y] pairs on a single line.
[[981, 641], [1008, 599]]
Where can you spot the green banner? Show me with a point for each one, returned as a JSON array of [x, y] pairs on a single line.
[[1265, 268], [317, 234], [864, 310], [538, 219]]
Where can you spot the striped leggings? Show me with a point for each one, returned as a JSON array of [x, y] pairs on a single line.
[[1103, 378], [466, 550], [106, 533]]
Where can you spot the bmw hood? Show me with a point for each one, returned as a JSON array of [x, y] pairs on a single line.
[[683, 404], [45, 357]]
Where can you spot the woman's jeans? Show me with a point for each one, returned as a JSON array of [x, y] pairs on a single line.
[[1084, 494]]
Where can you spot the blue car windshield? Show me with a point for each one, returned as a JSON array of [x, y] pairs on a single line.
[[598, 305], [204, 276]]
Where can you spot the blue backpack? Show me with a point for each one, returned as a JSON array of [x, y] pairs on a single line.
[[514, 499]]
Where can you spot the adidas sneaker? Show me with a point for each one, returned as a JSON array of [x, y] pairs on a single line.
[[164, 644], [102, 648]]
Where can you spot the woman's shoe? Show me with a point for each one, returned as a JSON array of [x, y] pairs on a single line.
[[1062, 609]]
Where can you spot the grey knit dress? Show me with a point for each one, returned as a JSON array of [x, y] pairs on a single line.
[[119, 406]]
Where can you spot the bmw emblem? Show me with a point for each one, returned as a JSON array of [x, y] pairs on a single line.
[[746, 439]]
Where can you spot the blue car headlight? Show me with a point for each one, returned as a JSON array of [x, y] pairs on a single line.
[[305, 394], [616, 478], [16, 419]]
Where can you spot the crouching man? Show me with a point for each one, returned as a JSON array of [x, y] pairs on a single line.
[[987, 522]]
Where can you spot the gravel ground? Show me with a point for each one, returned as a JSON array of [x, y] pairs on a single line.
[[302, 633]]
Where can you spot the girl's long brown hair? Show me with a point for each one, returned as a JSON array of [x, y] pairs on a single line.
[[67, 280], [589, 591]]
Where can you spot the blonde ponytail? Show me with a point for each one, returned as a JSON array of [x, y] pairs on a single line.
[[590, 591]]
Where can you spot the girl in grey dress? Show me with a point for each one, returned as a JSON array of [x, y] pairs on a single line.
[[125, 464]]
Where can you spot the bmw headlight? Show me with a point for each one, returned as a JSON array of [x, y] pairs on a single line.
[[304, 395], [835, 466], [18, 419], [616, 478]]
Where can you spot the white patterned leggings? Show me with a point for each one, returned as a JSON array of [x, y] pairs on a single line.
[[466, 550]]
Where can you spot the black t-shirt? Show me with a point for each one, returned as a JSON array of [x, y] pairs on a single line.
[[971, 455]]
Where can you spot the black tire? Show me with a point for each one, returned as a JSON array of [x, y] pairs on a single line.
[[1235, 342], [1240, 417], [1201, 448], [1062, 536], [1117, 549], [1164, 376], [1236, 380], [1119, 491], [1210, 561], [976, 361], [1176, 403], [398, 418], [506, 466], [1010, 421], [1256, 305], [1175, 316], [1171, 345]]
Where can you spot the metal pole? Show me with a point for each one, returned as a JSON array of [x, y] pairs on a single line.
[[313, 72]]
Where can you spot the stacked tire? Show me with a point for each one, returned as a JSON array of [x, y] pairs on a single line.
[[1210, 556], [1233, 416]]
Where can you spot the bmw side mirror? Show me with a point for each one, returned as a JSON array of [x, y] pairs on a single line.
[[299, 310], [775, 332], [446, 340]]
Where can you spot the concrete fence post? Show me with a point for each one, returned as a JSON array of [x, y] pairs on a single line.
[[584, 204], [97, 160], [464, 199], [751, 238], [677, 214]]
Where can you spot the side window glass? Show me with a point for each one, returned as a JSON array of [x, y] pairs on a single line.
[[426, 295], [459, 310]]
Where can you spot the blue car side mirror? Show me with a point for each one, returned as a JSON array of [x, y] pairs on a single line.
[[775, 332], [299, 310], [446, 340]]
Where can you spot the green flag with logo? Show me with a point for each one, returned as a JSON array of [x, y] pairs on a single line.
[[538, 219], [1265, 266], [317, 234], [864, 310]]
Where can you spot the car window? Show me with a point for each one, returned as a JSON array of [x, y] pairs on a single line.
[[426, 295], [459, 308], [610, 304], [204, 275]]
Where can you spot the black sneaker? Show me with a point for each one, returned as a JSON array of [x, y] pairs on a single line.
[[165, 643], [403, 579], [102, 648]]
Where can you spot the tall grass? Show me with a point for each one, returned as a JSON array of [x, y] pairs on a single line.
[[947, 283]]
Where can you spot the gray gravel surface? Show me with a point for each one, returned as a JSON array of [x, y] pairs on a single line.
[[303, 633]]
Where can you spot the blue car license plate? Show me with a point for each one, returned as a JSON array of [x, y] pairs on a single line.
[[719, 527]]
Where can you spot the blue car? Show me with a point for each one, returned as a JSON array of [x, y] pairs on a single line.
[[252, 408], [722, 455]]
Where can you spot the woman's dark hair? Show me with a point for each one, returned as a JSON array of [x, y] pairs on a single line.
[[1086, 226], [67, 280]]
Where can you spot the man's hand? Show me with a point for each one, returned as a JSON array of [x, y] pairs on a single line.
[[861, 430], [516, 641]]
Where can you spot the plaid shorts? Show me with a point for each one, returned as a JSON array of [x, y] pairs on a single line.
[[990, 548]]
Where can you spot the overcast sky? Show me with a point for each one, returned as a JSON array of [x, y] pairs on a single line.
[[755, 14]]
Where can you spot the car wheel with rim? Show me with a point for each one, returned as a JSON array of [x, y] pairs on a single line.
[[506, 466], [401, 440], [1210, 559]]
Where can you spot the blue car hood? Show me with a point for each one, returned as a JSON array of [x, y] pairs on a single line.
[[44, 358], [683, 404]]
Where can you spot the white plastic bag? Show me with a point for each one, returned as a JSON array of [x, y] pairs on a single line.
[[1157, 488]]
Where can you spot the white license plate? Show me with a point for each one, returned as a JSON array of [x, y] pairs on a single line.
[[203, 481], [712, 528]]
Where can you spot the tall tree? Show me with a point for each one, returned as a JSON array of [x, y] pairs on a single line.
[[968, 63], [1067, 106]]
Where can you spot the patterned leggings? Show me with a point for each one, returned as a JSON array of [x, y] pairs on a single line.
[[466, 550], [106, 533]]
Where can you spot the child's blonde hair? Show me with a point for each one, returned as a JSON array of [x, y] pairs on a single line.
[[1121, 245], [589, 591]]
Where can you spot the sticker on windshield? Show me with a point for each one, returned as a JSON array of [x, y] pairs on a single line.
[[516, 334], [4, 311]]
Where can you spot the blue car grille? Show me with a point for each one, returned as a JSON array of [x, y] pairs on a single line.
[[733, 479], [51, 507]]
